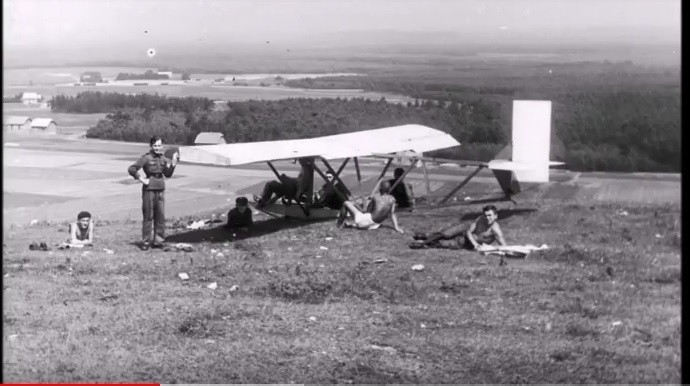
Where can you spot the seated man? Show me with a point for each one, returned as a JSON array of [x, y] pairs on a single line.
[[81, 232], [381, 207], [240, 217], [484, 231], [288, 188], [332, 195], [402, 192]]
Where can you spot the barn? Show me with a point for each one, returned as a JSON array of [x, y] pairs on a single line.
[[209, 138], [31, 98], [44, 125], [15, 123]]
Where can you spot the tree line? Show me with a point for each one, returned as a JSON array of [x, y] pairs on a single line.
[[91, 102], [605, 130]]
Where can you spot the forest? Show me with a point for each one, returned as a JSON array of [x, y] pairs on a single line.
[[605, 118]]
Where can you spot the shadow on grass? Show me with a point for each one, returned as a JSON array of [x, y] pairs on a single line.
[[221, 234], [502, 213]]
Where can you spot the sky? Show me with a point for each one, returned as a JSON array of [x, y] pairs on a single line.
[[112, 24]]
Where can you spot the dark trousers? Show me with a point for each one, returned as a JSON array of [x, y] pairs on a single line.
[[153, 209], [271, 188]]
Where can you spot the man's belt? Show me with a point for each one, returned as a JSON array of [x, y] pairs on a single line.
[[157, 175]]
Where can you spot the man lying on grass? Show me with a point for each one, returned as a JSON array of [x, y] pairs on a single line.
[[481, 233], [81, 232], [381, 206]]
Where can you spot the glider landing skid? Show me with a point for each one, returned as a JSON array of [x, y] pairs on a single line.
[[295, 212]]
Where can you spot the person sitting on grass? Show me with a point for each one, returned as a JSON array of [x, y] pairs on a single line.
[[288, 188], [403, 193], [381, 206], [81, 232], [481, 233], [240, 217], [332, 195]]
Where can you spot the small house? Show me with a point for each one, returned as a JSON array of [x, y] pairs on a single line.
[[31, 98], [91, 77], [209, 138], [15, 123], [43, 125]]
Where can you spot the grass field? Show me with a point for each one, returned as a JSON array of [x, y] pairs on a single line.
[[601, 305]]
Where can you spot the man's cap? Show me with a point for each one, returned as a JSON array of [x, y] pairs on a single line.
[[241, 201], [83, 214]]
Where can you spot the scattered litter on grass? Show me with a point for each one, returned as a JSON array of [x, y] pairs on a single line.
[[34, 222], [234, 288], [256, 212], [417, 267], [329, 238], [312, 319], [7, 275], [422, 325], [290, 249], [658, 236], [70, 246], [616, 323], [108, 251], [183, 276], [379, 261], [548, 327], [468, 198], [318, 256], [183, 247], [623, 213], [322, 266], [13, 337], [214, 251], [212, 286], [387, 349], [323, 248], [196, 225], [220, 255]]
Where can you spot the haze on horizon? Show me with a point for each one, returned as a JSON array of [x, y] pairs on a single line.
[[77, 30]]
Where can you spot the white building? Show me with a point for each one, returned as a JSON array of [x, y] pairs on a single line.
[[168, 73], [15, 123], [31, 98], [209, 138], [44, 125]]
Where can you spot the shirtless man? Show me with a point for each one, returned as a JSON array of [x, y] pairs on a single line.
[[381, 207], [289, 188], [483, 232]]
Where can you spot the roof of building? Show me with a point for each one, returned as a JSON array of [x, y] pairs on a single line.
[[31, 95], [15, 120], [209, 138], [42, 122]]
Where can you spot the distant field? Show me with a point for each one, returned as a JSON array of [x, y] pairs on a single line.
[[230, 93]]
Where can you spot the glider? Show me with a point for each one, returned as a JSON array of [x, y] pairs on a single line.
[[529, 163]]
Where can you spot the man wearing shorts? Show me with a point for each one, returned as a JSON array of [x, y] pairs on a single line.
[[484, 231], [381, 207]]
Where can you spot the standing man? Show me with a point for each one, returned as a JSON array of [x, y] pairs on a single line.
[[151, 170]]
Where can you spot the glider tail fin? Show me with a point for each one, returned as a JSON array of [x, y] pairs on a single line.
[[531, 147]]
